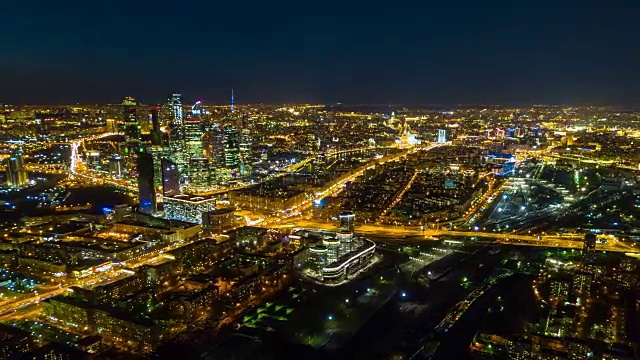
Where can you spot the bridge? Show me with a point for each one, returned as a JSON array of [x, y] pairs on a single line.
[[591, 161]]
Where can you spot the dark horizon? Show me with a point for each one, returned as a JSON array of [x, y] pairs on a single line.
[[467, 52], [443, 106]]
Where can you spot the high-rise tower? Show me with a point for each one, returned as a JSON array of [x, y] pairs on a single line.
[[130, 126], [16, 173], [192, 130], [442, 136], [231, 147], [147, 193], [170, 178], [175, 103], [156, 133], [347, 220]]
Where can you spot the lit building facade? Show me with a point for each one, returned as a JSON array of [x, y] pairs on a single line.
[[199, 173], [219, 220], [193, 137], [175, 103], [187, 208], [231, 147], [16, 173], [347, 220], [339, 258], [350, 264], [130, 126], [116, 166], [170, 178], [442, 136]]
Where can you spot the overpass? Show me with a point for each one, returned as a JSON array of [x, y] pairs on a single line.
[[587, 160], [416, 233]]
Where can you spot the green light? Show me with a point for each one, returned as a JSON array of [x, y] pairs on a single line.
[[141, 149], [126, 150]]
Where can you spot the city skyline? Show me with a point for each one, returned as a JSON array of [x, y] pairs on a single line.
[[150, 231], [279, 180]]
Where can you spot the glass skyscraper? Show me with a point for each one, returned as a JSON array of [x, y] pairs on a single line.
[[170, 178], [146, 189], [16, 173], [231, 147]]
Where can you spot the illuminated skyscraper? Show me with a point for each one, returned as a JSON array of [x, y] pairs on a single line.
[[213, 144], [156, 133], [245, 141], [170, 178], [231, 147], [442, 136], [193, 137], [178, 147], [111, 125], [116, 166], [130, 126], [199, 174], [146, 189], [175, 103], [158, 153], [16, 173]]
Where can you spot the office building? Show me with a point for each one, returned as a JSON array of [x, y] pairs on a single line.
[[130, 127], [318, 260], [147, 194], [338, 259], [347, 267], [93, 158], [245, 141], [347, 220], [188, 208], [158, 152], [213, 143], [175, 103], [16, 173], [231, 147], [199, 175], [346, 241], [116, 166], [333, 249], [170, 178], [156, 133], [192, 129], [219, 220], [442, 136], [111, 126]]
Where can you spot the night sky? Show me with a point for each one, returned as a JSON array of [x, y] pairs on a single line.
[[419, 52]]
